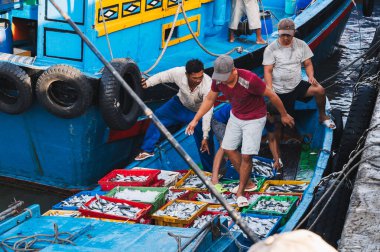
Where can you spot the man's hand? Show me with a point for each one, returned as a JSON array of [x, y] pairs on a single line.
[[313, 81], [287, 120], [204, 146], [277, 165], [190, 128], [143, 83]]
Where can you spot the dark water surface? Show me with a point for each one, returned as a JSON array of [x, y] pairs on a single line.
[[355, 40]]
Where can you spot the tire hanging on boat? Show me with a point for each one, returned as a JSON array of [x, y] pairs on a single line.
[[119, 110], [368, 7], [16, 93], [358, 121], [64, 91]]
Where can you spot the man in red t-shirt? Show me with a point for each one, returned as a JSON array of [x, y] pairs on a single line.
[[245, 91]]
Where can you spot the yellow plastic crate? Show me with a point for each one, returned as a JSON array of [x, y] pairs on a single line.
[[210, 208], [175, 222], [269, 183], [179, 184], [62, 213]]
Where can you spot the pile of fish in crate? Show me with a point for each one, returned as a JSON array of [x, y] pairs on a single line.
[[180, 199]]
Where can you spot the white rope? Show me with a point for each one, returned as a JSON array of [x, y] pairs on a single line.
[[166, 43], [265, 23], [105, 29]]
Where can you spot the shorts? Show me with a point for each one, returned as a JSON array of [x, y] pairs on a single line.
[[298, 94], [246, 133]]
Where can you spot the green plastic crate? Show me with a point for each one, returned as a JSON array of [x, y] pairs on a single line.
[[158, 202], [258, 180], [285, 216]]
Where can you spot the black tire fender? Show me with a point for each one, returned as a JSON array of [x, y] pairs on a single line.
[[368, 6], [16, 92], [119, 110], [358, 121], [64, 91]]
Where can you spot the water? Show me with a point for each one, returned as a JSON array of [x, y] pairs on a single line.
[[353, 43], [355, 40]]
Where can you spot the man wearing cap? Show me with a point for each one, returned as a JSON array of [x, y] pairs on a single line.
[[245, 91], [193, 85], [282, 71]]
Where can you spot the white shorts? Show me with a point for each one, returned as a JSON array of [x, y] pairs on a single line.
[[249, 8], [246, 133]]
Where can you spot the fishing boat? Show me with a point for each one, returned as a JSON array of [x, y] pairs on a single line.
[[65, 122], [89, 230]]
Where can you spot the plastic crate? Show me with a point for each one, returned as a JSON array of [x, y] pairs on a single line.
[[184, 196], [212, 214], [269, 183], [106, 184], [227, 194], [253, 196], [59, 206], [145, 208], [62, 213], [258, 180], [158, 183], [286, 215], [169, 177], [158, 202], [176, 222], [179, 184], [246, 241], [267, 161], [211, 207]]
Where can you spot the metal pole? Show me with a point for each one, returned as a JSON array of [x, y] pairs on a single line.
[[148, 112]]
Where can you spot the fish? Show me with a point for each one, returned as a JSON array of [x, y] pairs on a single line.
[[180, 210], [76, 201], [287, 188], [122, 178], [117, 209], [272, 205], [259, 226], [170, 196]]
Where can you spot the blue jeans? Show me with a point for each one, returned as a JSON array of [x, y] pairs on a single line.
[[173, 113]]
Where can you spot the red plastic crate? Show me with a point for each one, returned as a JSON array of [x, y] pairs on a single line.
[[158, 183], [106, 184], [145, 208]]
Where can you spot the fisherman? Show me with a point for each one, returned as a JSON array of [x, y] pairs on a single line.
[[218, 125], [245, 91], [194, 86], [282, 71], [251, 9]]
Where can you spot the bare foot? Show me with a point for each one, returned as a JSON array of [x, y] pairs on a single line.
[[232, 37], [261, 42]]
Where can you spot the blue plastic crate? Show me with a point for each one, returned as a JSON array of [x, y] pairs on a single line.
[[232, 174], [259, 216], [90, 193]]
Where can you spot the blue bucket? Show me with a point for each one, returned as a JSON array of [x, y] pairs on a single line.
[[6, 40], [290, 6]]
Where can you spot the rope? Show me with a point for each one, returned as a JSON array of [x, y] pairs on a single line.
[[25, 243], [166, 43], [265, 23], [368, 53], [338, 186], [238, 49], [105, 28], [345, 167], [237, 243]]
